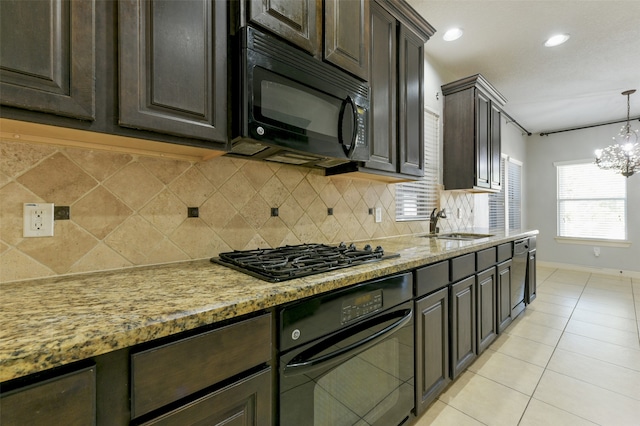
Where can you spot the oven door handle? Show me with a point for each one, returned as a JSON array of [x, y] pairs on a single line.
[[303, 364]]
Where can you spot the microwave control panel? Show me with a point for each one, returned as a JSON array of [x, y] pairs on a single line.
[[362, 125]]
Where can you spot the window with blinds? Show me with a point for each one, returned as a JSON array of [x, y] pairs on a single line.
[[505, 207], [415, 200], [592, 203]]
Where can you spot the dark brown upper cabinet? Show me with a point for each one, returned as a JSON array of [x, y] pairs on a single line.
[[173, 67], [47, 60], [342, 41], [472, 135], [346, 35], [398, 35], [297, 21]]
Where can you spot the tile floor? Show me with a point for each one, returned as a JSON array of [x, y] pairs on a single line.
[[572, 358]]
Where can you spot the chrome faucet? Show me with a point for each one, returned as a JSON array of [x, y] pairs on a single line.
[[433, 223]]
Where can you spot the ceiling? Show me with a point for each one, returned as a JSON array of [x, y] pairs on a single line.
[[575, 84]]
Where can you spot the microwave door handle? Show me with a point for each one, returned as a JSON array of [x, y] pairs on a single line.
[[297, 367], [350, 147]]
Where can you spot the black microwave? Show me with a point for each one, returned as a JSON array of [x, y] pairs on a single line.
[[292, 108]]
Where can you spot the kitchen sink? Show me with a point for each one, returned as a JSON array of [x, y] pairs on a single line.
[[461, 236]]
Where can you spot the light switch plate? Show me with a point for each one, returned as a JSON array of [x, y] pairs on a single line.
[[378, 214], [37, 220]]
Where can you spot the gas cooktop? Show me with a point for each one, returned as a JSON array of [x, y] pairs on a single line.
[[289, 262]]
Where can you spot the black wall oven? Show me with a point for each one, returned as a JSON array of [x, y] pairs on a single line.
[[293, 108], [347, 357]]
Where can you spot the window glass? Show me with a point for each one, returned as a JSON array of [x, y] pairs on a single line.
[[592, 203]]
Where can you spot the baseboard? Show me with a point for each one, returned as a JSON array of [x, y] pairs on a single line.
[[603, 271]]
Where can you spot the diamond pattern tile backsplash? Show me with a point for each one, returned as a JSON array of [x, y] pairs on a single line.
[[129, 210]]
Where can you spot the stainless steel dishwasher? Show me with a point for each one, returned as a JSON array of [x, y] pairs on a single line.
[[519, 274]]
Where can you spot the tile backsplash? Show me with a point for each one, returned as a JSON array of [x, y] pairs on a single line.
[[129, 210]]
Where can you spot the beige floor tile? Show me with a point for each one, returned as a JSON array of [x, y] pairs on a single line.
[[543, 296], [615, 307], [545, 319], [562, 289], [608, 293], [441, 414], [551, 308], [524, 349], [535, 332], [485, 400], [608, 279], [543, 272], [539, 413], [611, 321], [570, 277], [509, 371], [605, 334], [615, 354], [587, 401], [600, 373]]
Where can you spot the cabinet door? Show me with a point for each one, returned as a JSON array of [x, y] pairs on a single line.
[[531, 277], [495, 148], [410, 102], [173, 67], [504, 295], [246, 402], [298, 21], [483, 126], [463, 325], [346, 35], [432, 348], [65, 400], [47, 60], [383, 81], [486, 308]]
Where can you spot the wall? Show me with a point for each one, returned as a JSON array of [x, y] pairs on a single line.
[[129, 210], [542, 152]]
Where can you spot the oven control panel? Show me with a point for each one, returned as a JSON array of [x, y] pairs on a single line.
[[361, 305]]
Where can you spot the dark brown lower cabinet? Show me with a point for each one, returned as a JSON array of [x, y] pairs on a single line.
[[246, 402], [531, 277], [66, 400], [463, 325], [487, 332], [504, 295], [432, 347]]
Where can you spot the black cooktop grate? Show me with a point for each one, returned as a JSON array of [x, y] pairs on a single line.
[[288, 262]]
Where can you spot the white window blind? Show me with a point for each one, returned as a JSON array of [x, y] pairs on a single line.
[[497, 203], [514, 193], [505, 207], [415, 200], [592, 203]]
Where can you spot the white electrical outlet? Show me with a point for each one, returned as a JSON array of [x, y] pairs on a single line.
[[378, 214], [37, 220], [596, 251]]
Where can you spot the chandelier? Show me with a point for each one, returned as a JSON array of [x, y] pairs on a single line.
[[624, 155]]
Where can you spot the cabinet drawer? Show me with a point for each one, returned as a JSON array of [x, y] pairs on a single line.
[[505, 252], [64, 400], [485, 258], [431, 278], [242, 402], [463, 266], [175, 370]]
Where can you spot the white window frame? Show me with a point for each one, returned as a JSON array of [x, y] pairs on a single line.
[[586, 240]]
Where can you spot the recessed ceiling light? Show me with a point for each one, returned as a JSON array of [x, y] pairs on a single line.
[[452, 34], [556, 40]]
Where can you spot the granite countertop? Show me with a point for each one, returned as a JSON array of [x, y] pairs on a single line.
[[55, 321]]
